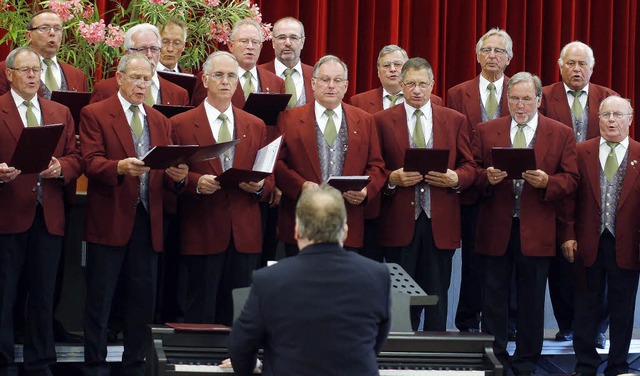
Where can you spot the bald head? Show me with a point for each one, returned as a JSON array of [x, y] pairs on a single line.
[[321, 216]]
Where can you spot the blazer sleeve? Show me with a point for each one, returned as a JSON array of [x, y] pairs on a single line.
[[248, 334]]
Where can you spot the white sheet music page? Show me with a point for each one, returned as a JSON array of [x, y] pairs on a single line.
[[267, 156]]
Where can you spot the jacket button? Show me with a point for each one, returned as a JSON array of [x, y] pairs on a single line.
[[413, 203]]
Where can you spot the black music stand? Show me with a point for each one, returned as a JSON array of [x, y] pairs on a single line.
[[405, 292]]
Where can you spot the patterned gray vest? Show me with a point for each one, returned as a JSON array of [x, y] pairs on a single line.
[[610, 195], [302, 100], [332, 156], [46, 93], [518, 184], [143, 145], [483, 111], [581, 126], [422, 190]]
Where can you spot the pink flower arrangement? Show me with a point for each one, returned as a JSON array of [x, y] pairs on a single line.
[[212, 3], [115, 37], [87, 13], [159, 2], [93, 33], [62, 9], [220, 32]]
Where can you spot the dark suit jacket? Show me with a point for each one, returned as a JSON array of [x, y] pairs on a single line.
[[18, 199], [371, 101], [171, 93], [209, 222], [269, 82], [322, 312], [112, 199], [299, 162], [580, 217], [307, 75], [555, 150], [397, 213], [76, 79], [555, 106]]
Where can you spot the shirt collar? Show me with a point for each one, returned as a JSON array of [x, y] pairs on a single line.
[[280, 68], [533, 123], [126, 104], [426, 109], [498, 83], [19, 100], [624, 143], [161, 68], [254, 72], [214, 112], [319, 110], [585, 89]]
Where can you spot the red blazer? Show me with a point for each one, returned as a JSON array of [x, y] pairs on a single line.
[[555, 106], [580, 217], [209, 222], [269, 82], [398, 205], [171, 93], [555, 150], [18, 199], [299, 162], [112, 199], [307, 75], [76, 79], [371, 101]]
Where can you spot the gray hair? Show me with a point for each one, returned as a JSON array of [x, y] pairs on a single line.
[[11, 58], [321, 215], [416, 63], [291, 19], [508, 43], [174, 21], [526, 77], [128, 36], [207, 67], [328, 58], [122, 65], [591, 60], [389, 49], [246, 21]]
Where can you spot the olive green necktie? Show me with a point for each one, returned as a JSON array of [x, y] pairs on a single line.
[[418, 134], [224, 134], [248, 84], [492, 101], [148, 100], [576, 107], [393, 99], [32, 121], [519, 142], [136, 123], [49, 79], [611, 164], [290, 86], [330, 131]]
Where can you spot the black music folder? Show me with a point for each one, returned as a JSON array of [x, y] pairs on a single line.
[[186, 81], [170, 110], [349, 183], [161, 157], [74, 100], [513, 161], [263, 166], [35, 148], [425, 160], [267, 106]]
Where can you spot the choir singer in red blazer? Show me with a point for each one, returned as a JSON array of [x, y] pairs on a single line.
[[326, 138], [516, 230]]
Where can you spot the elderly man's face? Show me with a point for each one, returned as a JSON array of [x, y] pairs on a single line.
[[246, 46], [25, 75], [575, 70], [288, 42], [148, 45], [615, 119], [389, 68], [221, 82], [172, 45], [493, 58], [523, 103], [46, 42], [330, 85], [417, 87], [135, 80]]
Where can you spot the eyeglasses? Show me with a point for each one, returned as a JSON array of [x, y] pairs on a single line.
[[245, 42], [525, 100], [496, 50], [175, 43], [140, 81], [293, 38], [25, 70], [142, 50], [326, 81], [422, 85], [389, 64], [46, 28], [616, 115], [219, 76]]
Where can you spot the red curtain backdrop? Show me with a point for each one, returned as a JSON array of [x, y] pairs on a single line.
[[445, 33]]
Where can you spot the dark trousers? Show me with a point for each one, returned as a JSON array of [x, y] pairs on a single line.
[[470, 297], [269, 227], [37, 252], [371, 247], [136, 264], [430, 267], [605, 278], [531, 279]]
